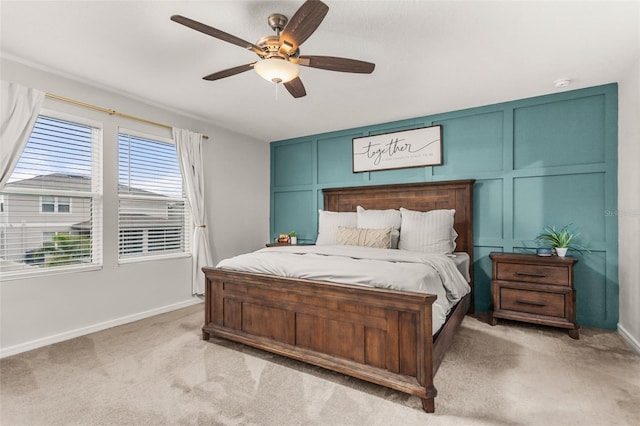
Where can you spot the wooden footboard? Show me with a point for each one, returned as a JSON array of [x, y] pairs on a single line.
[[377, 335]]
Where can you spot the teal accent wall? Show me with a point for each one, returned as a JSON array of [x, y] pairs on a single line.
[[549, 160]]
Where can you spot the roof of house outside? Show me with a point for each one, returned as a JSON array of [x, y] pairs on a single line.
[[70, 182]]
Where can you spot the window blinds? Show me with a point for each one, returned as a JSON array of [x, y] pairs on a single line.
[[50, 210], [152, 216]]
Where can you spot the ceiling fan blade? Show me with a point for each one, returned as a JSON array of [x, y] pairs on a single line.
[[214, 32], [296, 88], [302, 24], [228, 72], [333, 63]]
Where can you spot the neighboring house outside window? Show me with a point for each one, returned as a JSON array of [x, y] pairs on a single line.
[[47, 237], [52, 204], [152, 210], [48, 204]]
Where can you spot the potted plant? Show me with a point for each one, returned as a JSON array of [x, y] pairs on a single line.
[[293, 237], [559, 239]]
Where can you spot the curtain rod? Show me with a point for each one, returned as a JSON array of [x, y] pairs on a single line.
[[111, 111]]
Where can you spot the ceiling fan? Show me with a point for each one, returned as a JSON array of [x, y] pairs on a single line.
[[280, 54]]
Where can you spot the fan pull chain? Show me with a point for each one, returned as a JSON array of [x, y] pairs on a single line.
[[277, 91]]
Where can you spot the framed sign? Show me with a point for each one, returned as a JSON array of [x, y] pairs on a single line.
[[398, 150]]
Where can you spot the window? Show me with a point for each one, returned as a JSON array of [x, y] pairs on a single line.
[[152, 211], [63, 204], [164, 239], [48, 204], [52, 204], [130, 241]]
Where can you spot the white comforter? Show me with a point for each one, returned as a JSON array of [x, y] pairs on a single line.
[[393, 269]]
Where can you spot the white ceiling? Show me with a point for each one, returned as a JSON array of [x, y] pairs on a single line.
[[430, 56]]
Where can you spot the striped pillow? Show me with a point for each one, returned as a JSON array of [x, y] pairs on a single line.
[[428, 232], [378, 219], [328, 223]]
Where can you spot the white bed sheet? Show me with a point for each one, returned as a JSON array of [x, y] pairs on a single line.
[[394, 269], [461, 260]]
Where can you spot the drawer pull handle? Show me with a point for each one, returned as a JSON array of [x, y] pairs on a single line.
[[532, 274], [526, 302]]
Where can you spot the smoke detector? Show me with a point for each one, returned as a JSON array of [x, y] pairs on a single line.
[[561, 83]]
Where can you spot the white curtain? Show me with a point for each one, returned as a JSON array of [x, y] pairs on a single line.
[[19, 108], [189, 148]]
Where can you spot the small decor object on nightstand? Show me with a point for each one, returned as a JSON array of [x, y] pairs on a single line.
[[559, 240], [534, 289], [544, 251], [293, 237], [283, 239]]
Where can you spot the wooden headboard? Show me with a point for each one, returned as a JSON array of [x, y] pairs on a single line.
[[425, 196]]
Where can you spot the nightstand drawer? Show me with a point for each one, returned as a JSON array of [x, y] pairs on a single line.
[[533, 302], [557, 275]]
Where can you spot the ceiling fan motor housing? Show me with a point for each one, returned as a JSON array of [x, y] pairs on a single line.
[[272, 43]]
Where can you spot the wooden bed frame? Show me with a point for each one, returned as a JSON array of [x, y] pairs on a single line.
[[378, 335]]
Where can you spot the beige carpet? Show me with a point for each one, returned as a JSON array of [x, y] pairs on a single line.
[[158, 372]]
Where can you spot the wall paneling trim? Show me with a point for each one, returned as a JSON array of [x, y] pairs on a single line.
[[548, 160]]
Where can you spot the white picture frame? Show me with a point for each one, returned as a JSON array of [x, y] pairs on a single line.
[[398, 150]]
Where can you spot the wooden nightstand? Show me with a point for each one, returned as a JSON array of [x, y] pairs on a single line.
[[535, 289]]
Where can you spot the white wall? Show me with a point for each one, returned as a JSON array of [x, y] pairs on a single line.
[[39, 311], [629, 205]]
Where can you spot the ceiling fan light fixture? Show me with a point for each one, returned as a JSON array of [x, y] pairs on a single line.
[[277, 70]]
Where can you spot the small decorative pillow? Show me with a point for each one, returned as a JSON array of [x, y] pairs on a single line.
[[364, 237], [428, 232], [328, 223], [378, 219]]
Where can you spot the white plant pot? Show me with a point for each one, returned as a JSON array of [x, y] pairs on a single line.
[[561, 251], [293, 240]]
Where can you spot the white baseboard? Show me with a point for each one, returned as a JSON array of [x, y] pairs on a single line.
[[38, 343], [631, 341]]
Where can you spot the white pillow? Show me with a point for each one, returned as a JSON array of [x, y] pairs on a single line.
[[428, 232], [377, 219], [328, 223], [364, 237]]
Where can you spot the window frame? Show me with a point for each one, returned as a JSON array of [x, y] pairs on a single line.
[[56, 204], [95, 194], [144, 255]]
